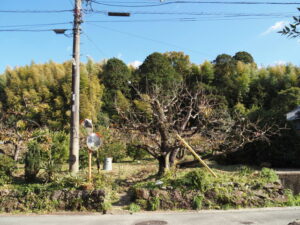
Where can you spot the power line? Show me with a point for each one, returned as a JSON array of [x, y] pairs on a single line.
[[143, 20], [35, 11], [183, 19], [36, 25], [149, 39], [198, 2], [27, 30], [94, 43], [200, 13]]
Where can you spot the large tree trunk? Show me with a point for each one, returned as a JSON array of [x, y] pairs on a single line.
[[164, 164]]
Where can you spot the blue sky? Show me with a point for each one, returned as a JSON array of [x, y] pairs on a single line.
[[148, 30]]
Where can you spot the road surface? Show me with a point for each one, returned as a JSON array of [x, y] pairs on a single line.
[[271, 216]]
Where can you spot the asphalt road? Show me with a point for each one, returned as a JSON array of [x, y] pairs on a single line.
[[272, 216]]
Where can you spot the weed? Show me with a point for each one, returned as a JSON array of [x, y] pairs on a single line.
[[291, 199], [197, 202], [134, 207], [105, 206], [142, 203], [269, 175], [245, 171], [154, 203]]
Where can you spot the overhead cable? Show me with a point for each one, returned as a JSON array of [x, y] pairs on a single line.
[[36, 25], [200, 13], [27, 30], [198, 2], [150, 39], [35, 11]]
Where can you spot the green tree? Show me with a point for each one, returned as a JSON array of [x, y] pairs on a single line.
[[232, 78], [207, 72], [245, 57], [115, 76], [91, 91], [180, 62], [287, 100], [40, 95], [157, 71]]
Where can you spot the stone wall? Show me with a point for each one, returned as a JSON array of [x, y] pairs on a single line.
[[290, 180], [57, 200]]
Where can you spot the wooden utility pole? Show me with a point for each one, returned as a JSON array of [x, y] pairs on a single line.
[[74, 136]]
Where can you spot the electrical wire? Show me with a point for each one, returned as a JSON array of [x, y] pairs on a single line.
[[150, 39], [27, 30], [183, 19], [94, 43], [198, 2], [199, 13], [35, 11], [143, 20], [35, 25]]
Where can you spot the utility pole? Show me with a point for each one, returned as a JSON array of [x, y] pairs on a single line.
[[74, 134]]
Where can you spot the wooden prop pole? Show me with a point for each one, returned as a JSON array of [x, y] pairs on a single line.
[[90, 167], [195, 154]]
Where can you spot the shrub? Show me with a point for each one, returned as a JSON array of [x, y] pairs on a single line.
[[154, 203], [67, 182], [199, 179], [269, 175], [134, 207], [116, 150], [197, 202], [51, 149], [134, 152], [56, 153], [33, 161], [7, 167]]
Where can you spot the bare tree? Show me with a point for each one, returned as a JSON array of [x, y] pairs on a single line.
[[12, 136], [155, 117]]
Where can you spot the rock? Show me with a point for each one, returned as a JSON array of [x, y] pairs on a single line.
[[177, 196], [281, 198], [56, 195], [4, 192], [97, 193], [210, 194], [154, 193], [272, 186], [142, 194], [260, 194], [85, 195], [296, 222]]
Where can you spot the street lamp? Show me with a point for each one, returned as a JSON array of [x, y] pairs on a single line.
[[118, 14], [59, 31]]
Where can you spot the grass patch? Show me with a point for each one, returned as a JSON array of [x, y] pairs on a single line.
[[198, 189]]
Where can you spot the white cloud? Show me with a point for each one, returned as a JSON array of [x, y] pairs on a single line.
[[276, 27], [135, 64], [280, 62]]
